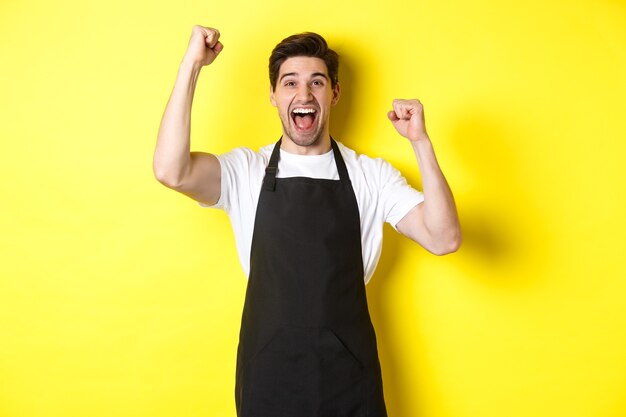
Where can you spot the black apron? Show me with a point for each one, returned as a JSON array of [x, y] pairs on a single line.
[[307, 347]]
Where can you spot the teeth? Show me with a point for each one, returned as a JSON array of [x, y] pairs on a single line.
[[304, 111]]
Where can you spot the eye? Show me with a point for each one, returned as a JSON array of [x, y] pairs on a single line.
[[318, 82], [290, 84]]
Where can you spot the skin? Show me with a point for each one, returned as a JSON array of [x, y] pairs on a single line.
[[433, 224], [304, 82]]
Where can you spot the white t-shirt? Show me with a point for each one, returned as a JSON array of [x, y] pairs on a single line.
[[382, 193]]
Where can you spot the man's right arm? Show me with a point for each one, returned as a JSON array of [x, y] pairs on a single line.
[[195, 174]]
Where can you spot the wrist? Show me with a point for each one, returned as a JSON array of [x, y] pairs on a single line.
[[190, 65], [421, 137], [425, 154]]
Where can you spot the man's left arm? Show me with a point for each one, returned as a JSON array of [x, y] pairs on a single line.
[[434, 223]]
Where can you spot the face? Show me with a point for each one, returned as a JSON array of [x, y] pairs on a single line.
[[303, 97]]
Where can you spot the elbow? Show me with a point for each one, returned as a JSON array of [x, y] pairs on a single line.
[[169, 171], [449, 244], [165, 177], [453, 246], [162, 178], [160, 174], [168, 181]]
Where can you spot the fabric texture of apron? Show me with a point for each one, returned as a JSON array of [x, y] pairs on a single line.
[[307, 346]]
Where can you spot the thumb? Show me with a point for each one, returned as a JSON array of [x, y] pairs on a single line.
[[392, 116]]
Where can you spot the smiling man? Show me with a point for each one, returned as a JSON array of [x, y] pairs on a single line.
[[308, 213], [304, 94]]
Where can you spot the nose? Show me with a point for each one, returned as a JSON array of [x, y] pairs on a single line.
[[304, 93]]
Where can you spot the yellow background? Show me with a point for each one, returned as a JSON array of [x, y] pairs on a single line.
[[121, 297]]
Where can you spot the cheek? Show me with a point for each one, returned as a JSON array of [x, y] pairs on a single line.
[[327, 97]]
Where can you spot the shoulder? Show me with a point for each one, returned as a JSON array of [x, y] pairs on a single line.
[[373, 167], [243, 156], [246, 153]]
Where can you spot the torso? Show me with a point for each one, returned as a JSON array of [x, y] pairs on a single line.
[[366, 174]]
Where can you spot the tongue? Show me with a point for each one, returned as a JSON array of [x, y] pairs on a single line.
[[304, 122]]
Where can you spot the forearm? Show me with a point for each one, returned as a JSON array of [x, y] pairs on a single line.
[[172, 152], [440, 215]]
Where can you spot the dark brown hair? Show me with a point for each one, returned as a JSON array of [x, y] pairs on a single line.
[[304, 44]]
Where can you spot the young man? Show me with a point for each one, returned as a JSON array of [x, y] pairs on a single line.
[[307, 213]]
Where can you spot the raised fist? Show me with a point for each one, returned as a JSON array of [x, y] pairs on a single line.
[[204, 45], [407, 117]]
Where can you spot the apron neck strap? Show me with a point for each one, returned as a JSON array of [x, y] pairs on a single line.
[[269, 182], [341, 165]]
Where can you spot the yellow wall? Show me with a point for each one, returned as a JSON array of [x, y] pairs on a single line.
[[120, 297]]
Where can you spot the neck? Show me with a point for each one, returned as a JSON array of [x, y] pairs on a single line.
[[320, 147]]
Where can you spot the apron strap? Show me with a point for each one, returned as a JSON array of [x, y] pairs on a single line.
[[341, 165], [269, 181]]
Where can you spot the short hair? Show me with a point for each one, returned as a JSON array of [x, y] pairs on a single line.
[[304, 44]]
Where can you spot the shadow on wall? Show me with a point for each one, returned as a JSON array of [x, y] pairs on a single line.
[[505, 230], [506, 238], [340, 121]]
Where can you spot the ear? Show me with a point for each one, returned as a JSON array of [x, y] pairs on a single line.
[[272, 96], [336, 94]]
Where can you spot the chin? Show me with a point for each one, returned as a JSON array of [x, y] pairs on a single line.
[[306, 141], [310, 139]]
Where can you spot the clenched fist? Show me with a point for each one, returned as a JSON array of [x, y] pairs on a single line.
[[204, 45], [407, 117]]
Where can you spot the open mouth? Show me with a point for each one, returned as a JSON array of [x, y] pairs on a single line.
[[304, 118]]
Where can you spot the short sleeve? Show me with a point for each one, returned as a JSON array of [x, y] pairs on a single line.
[[397, 197], [234, 168]]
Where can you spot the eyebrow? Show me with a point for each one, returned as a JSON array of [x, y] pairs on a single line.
[[315, 74]]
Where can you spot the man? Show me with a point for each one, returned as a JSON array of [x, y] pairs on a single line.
[[307, 213]]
